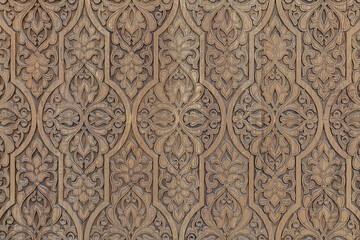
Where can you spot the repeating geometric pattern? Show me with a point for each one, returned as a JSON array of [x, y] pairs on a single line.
[[179, 119]]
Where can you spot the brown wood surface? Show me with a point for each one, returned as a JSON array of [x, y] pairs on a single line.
[[179, 119]]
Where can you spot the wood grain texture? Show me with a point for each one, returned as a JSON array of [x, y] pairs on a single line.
[[179, 119]]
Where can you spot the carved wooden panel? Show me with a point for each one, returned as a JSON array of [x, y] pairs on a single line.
[[179, 119]]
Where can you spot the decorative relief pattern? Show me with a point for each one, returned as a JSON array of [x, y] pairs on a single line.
[[323, 215], [37, 24], [179, 119], [226, 214], [84, 117], [274, 119], [227, 24], [131, 215], [15, 116], [344, 121], [132, 24], [324, 25], [36, 214]]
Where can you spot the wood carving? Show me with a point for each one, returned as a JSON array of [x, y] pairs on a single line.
[[179, 119]]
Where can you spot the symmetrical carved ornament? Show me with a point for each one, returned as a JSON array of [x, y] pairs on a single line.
[[179, 119]]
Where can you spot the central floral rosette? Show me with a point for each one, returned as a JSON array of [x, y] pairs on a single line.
[[179, 119]]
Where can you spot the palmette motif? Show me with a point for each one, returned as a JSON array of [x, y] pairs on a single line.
[[324, 25], [37, 23], [131, 24], [179, 119], [226, 214], [15, 126], [84, 117], [275, 119], [227, 24], [131, 215], [323, 215], [36, 215], [15, 117], [344, 123]]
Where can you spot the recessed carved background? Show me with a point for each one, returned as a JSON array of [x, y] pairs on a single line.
[[179, 119]]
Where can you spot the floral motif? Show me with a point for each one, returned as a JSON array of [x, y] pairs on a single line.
[[83, 195], [35, 214], [323, 168], [227, 26], [180, 45], [86, 143], [344, 118], [320, 219], [131, 166], [91, 107], [39, 220], [225, 215], [226, 66], [39, 33], [232, 221], [39, 70], [37, 23], [324, 66], [327, 212], [226, 207], [228, 172], [325, 75], [84, 117], [38, 166], [324, 213], [276, 147], [131, 172], [15, 117], [84, 190], [175, 119], [132, 66], [131, 207], [181, 195], [323, 24], [344, 123], [321, 214], [277, 197], [323, 184], [131, 217], [131, 24], [276, 48], [131, 72], [226, 166], [37, 66], [84, 44], [274, 119], [178, 118]]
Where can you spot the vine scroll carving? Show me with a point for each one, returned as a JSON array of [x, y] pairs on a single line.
[[179, 119]]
